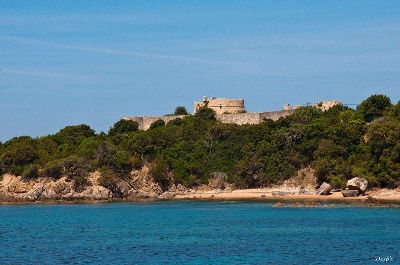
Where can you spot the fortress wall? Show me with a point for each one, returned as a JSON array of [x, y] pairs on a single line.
[[239, 118], [145, 122], [252, 118], [275, 115]]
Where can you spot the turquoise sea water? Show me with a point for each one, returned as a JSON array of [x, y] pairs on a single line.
[[193, 232]]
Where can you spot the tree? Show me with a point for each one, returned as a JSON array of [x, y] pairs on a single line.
[[18, 153], [176, 122], [181, 110], [160, 173], [206, 114], [395, 111], [157, 123], [74, 135], [76, 169], [122, 127], [110, 180], [347, 134], [47, 150], [108, 155], [53, 170], [88, 147], [337, 114], [373, 107], [31, 172], [75, 166], [305, 114]]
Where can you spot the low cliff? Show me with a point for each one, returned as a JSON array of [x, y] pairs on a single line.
[[138, 185]]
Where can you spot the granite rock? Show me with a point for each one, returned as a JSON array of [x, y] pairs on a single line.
[[350, 193], [324, 189], [359, 184]]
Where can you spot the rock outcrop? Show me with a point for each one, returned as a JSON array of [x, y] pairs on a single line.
[[305, 181], [324, 189], [138, 185], [178, 189], [218, 180], [96, 192], [34, 194]]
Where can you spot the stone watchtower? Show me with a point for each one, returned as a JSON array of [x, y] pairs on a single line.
[[221, 105]]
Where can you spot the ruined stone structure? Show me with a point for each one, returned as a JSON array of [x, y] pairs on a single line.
[[327, 104], [221, 105], [231, 111]]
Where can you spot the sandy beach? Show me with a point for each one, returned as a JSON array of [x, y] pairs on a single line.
[[280, 195]]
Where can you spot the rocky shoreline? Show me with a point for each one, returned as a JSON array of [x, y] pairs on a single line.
[[140, 186], [15, 189]]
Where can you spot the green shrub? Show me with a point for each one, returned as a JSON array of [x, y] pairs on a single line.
[[159, 172], [180, 110], [206, 114], [110, 180], [53, 169], [337, 182], [31, 172], [156, 124], [80, 183], [123, 127]]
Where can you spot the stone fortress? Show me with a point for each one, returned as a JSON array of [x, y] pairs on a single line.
[[231, 111]]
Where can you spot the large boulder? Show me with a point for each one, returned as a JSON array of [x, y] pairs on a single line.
[[350, 193], [324, 189], [359, 184]]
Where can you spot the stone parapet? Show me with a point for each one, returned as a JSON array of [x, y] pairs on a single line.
[[240, 118], [146, 121], [275, 115]]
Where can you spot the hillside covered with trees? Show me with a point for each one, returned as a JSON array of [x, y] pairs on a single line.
[[339, 144]]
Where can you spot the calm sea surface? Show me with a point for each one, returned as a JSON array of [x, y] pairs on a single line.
[[190, 232]]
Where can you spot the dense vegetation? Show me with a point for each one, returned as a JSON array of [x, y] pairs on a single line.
[[339, 144]]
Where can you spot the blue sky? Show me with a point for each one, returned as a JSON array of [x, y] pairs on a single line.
[[72, 62]]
